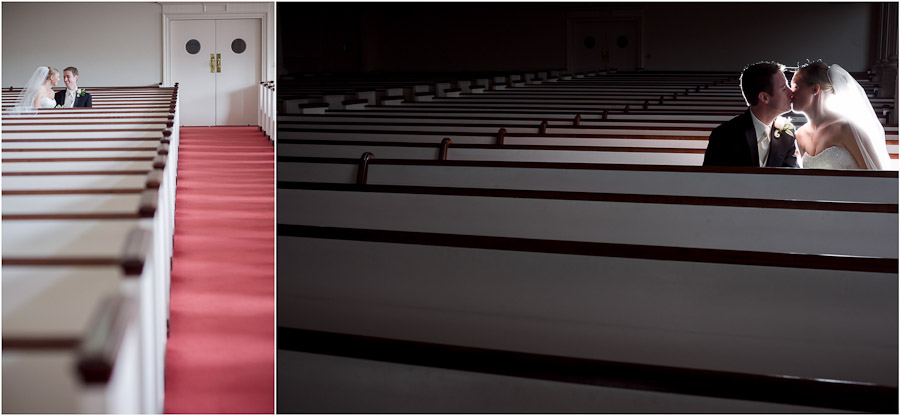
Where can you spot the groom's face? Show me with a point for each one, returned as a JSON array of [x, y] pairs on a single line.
[[781, 93], [70, 79]]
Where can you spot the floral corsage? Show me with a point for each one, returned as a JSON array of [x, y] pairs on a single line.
[[58, 106], [80, 93], [783, 125]]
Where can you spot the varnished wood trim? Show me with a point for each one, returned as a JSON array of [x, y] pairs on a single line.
[[154, 179], [362, 171], [75, 122], [74, 191], [84, 149], [159, 162], [60, 261], [78, 131], [444, 149], [85, 159], [39, 343], [117, 139], [604, 166], [148, 203], [137, 246], [579, 248], [93, 172], [777, 388], [497, 146], [99, 348], [72, 216], [601, 197], [91, 117]]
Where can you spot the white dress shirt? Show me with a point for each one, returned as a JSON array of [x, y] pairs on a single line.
[[762, 139], [70, 99]]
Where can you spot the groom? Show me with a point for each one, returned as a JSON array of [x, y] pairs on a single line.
[[72, 96], [751, 139]]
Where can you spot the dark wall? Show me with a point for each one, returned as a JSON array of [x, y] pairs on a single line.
[[453, 37]]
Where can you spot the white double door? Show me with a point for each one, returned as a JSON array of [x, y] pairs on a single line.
[[216, 64]]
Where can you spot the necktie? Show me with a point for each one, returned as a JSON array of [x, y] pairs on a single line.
[[70, 99], [764, 142]]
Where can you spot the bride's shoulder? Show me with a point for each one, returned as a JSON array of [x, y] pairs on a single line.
[[838, 131], [837, 127]]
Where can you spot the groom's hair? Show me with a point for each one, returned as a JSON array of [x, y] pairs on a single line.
[[72, 69], [756, 78]]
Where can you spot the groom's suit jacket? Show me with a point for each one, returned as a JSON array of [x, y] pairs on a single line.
[[83, 101], [734, 144]]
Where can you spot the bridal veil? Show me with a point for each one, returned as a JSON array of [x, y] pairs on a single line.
[[850, 100], [25, 102]]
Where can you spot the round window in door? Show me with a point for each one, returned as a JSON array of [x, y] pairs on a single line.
[[192, 46], [238, 46]]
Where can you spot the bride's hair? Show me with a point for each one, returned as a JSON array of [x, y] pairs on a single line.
[[52, 71], [816, 73]]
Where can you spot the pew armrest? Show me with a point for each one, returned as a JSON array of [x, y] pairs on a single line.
[[100, 346], [136, 248]]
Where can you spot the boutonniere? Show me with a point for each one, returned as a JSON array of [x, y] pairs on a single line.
[[80, 93], [58, 106], [783, 125]]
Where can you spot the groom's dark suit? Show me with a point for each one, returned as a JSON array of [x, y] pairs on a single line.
[[734, 144], [83, 101]]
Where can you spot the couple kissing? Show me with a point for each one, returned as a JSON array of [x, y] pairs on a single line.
[[842, 130]]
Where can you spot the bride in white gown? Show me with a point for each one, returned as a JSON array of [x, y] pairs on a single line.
[[38, 92], [843, 131]]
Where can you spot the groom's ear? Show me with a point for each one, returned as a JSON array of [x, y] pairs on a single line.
[[763, 97]]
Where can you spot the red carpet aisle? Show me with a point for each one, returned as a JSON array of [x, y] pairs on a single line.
[[220, 356]]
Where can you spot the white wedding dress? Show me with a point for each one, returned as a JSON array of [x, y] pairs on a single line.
[[834, 157], [48, 102]]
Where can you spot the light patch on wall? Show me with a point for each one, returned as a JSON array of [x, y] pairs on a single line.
[[215, 7]]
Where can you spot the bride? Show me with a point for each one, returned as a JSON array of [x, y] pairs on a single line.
[[843, 131], [38, 92]]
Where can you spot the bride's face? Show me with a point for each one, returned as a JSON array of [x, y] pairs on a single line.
[[803, 93], [54, 80]]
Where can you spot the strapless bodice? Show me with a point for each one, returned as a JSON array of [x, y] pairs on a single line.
[[47, 102], [834, 157]]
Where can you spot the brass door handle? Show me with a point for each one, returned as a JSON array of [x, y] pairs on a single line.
[[212, 63], [218, 62]]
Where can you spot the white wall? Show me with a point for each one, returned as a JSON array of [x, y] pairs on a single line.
[[111, 44], [728, 36]]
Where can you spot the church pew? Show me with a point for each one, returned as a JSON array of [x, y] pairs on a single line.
[[47, 252], [93, 166], [620, 259], [554, 136], [596, 120], [552, 127], [714, 182], [484, 152], [64, 140], [46, 176], [104, 183], [86, 360], [372, 306], [716, 223], [418, 377], [266, 116], [100, 197]]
